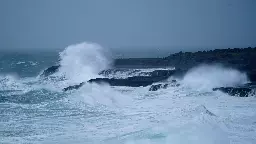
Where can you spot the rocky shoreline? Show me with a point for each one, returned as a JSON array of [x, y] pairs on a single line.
[[241, 59]]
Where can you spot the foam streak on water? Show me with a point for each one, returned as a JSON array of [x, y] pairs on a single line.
[[34, 110]]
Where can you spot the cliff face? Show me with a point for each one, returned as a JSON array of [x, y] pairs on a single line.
[[241, 58]]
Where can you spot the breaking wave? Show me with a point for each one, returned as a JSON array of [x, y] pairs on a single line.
[[36, 110], [206, 77], [81, 62]]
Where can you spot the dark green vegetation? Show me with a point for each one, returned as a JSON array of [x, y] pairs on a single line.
[[240, 58]]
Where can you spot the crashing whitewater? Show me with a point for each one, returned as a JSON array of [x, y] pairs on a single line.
[[36, 110]]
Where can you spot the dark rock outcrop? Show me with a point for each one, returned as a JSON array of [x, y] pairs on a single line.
[[250, 85], [158, 86], [135, 81], [161, 73], [236, 91], [74, 87], [51, 70], [239, 58], [137, 72]]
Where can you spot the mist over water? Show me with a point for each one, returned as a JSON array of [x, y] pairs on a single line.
[[36, 110], [206, 77]]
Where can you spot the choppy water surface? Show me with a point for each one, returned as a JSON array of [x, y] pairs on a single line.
[[35, 110]]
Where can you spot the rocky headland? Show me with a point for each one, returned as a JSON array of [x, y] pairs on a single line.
[[243, 59]]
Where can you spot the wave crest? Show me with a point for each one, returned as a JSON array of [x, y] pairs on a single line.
[[81, 62]]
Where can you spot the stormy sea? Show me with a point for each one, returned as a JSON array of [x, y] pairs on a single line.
[[80, 96]]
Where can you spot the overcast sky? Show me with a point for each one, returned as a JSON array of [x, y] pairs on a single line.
[[126, 25]]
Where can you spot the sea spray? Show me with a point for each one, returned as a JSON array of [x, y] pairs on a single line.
[[104, 114], [81, 62], [100, 95], [84, 61], [206, 77]]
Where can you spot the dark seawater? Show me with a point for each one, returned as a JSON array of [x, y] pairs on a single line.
[[36, 110], [26, 65]]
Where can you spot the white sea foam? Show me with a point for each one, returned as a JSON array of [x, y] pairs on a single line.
[[81, 62], [20, 62], [124, 73], [100, 95], [33, 63], [104, 114], [206, 77]]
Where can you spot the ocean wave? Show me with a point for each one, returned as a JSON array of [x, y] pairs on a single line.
[[36, 110], [83, 61], [207, 77]]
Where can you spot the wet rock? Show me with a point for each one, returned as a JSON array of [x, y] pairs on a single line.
[[51, 70], [74, 87], [243, 59], [158, 86], [137, 72], [135, 81], [250, 85], [165, 86], [162, 73], [235, 91]]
